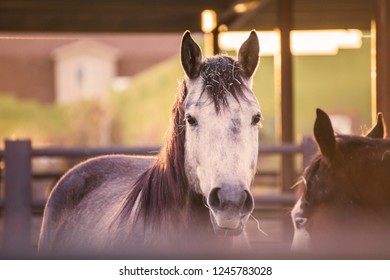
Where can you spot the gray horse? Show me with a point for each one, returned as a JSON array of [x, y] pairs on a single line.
[[194, 196]]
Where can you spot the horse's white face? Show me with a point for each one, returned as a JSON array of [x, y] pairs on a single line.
[[221, 145], [301, 238]]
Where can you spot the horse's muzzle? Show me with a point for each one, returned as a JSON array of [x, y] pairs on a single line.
[[230, 206]]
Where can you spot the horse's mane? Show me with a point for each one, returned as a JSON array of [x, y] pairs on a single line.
[[164, 187], [360, 141], [165, 183]]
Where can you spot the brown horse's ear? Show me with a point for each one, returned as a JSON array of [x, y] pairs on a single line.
[[191, 56], [248, 55], [379, 130], [324, 135]]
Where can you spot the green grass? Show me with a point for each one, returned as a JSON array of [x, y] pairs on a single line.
[[70, 125], [29, 119]]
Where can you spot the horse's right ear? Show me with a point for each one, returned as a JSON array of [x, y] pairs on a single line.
[[324, 135], [379, 130], [191, 56], [248, 55]]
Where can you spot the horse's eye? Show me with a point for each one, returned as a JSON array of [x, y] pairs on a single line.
[[256, 119], [300, 222], [191, 120]]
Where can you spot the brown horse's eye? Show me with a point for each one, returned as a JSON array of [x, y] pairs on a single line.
[[300, 222], [191, 120], [256, 119]]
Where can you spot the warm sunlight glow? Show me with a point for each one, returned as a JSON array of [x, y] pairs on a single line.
[[313, 42], [241, 8], [209, 21], [326, 42], [269, 41]]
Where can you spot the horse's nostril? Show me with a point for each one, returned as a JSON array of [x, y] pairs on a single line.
[[224, 198], [248, 203], [214, 200]]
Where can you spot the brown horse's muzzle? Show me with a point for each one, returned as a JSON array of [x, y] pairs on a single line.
[[230, 206]]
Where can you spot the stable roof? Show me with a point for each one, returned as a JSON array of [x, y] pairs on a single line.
[[176, 15]]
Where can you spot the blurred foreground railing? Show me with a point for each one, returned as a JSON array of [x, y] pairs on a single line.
[[17, 204]]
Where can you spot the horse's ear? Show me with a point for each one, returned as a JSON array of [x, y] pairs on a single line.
[[378, 131], [191, 56], [248, 55], [324, 135]]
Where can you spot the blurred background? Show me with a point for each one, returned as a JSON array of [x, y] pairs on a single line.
[[103, 74], [107, 74]]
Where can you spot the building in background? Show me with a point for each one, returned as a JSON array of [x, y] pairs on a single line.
[[65, 68], [83, 70]]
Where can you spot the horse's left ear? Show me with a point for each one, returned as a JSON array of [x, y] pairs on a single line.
[[324, 135], [378, 131], [248, 55], [191, 56]]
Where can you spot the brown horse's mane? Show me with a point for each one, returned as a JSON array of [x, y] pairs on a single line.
[[164, 189], [356, 141]]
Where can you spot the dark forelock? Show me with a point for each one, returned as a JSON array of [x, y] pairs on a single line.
[[222, 77]]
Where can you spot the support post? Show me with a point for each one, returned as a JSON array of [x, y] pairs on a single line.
[[382, 14], [283, 77], [17, 201], [285, 90]]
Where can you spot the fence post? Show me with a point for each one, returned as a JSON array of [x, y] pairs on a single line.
[[17, 197]]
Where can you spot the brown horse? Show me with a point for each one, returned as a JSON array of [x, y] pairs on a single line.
[[194, 196], [345, 207]]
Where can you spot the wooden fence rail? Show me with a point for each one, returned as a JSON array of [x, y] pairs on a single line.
[[17, 177]]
